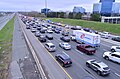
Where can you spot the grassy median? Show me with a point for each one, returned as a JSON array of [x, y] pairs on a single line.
[[112, 28], [6, 34]]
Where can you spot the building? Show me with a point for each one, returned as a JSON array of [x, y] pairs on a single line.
[[96, 8], [116, 8], [114, 20], [79, 10], [45, 10], [106, 7]]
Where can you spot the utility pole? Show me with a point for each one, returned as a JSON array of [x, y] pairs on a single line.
[[46, 7]]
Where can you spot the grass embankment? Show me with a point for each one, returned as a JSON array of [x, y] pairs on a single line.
[[6, 34], [112, 28]]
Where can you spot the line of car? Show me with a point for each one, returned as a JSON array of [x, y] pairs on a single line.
[[64, 59]]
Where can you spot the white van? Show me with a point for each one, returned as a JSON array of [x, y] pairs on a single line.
[[50, 47]]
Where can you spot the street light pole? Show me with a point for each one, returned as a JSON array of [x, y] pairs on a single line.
[[46, 7]]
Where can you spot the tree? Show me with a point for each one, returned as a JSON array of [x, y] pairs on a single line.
[[95, 17], [78, 16], [70, 15], [62, 14]]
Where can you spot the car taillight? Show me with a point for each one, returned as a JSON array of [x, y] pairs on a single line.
[[65, 62]]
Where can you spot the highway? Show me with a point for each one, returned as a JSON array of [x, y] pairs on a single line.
[[4, 19], [78, 70]]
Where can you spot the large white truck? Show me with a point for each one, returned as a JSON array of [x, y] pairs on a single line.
[[87, 38]]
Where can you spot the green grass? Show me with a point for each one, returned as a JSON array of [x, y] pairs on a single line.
[[6, 34], [112, 28], [6, 31]]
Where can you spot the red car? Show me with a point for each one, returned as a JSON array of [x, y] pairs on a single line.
[[86, 48]]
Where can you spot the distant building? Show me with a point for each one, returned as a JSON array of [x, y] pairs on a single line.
[[116, 8], [106, 7], [96, 8], [114, 20], [45, 10], [79, 10]]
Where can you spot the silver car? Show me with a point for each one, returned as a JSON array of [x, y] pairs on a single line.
[[98, 66]]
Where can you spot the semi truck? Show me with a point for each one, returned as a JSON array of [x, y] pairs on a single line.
[[91, 39]]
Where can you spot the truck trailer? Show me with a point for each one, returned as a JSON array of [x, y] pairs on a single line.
[[91, 39]]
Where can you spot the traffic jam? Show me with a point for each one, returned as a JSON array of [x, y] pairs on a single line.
[[68, 38]]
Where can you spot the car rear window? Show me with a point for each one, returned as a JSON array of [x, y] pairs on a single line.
[[52, 46]]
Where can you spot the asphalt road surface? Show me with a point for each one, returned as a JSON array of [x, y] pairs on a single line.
[[78, 70]]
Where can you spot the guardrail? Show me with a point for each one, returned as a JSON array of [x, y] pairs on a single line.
[[43, 75]]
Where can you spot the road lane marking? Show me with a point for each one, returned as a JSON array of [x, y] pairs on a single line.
[[117, 74], [78, 51], [53, 58]]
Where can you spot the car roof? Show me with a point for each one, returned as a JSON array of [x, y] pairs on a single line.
[[64, 43], [64, 56], [100, 63], [50, 44]]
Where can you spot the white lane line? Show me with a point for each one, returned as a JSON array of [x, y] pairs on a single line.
[[117, 74], [78, 51]]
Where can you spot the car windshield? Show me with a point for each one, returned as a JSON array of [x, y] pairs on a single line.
[[66, 44], [106, 68]]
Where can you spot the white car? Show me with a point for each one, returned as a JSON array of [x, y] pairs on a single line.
[[49, 31], [50, 47], [72, 37], [114, 56], [105, 35], [65, 45], [115, 48]]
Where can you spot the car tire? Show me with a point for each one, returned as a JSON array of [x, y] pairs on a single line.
[[98, 72], [87, 65], [62, 64], [107, 58], [113, 50]]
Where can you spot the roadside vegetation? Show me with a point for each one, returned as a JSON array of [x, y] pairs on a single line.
[[6, 35], [112, 28]]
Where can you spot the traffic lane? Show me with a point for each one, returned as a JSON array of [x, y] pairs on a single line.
[[97, 55], [4, 20], [52, 68], [76, 70], [105, 46], [80, 60]]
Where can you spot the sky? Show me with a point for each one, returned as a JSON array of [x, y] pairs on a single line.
[[54, 5]]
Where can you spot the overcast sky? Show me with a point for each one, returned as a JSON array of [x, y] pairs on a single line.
[[37, 5]]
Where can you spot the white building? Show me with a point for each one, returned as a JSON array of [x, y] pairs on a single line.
[[114, 20], [79, 10]]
